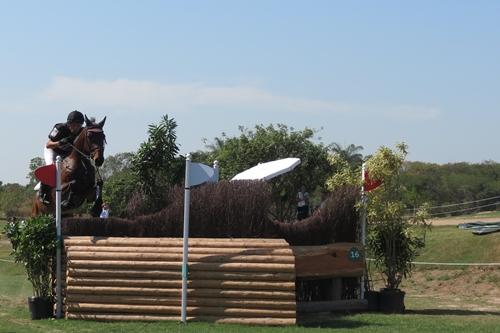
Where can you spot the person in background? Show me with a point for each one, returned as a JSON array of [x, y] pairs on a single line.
[[105, 211], [302, 204]]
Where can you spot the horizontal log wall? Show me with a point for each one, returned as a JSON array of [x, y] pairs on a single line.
[[230, 280]]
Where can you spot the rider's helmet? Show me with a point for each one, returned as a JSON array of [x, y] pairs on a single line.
[[75, 117]]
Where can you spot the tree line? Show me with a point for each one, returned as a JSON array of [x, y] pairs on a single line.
[[138, 182]]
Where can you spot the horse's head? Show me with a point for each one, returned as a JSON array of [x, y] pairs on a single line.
[[95, 140]]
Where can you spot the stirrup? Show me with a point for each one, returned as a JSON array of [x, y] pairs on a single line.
[[42, 197]]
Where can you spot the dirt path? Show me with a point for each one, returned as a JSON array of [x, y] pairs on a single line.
[[456, 221]]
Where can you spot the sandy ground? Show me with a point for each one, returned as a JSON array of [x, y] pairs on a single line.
[[456, 221]]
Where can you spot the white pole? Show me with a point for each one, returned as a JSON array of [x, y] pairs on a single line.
[[363, 226], [59, 239], [185, 239]]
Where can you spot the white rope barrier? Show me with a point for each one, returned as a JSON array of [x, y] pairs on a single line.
[[462, 203], [491, 264], [6, 260]]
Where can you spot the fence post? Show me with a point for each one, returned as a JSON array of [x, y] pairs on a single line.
[[59, 238], [185, 240]]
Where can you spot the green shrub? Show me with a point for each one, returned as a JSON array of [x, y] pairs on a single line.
[[33, 245]]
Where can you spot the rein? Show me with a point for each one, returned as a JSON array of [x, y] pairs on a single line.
[[89, 155]]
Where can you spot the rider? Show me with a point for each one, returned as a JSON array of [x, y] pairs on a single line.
[[60, 143]]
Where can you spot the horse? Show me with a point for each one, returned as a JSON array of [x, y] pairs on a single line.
[[78, 180]]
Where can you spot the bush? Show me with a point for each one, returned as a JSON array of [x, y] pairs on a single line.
[[33, 245], [394, 239]]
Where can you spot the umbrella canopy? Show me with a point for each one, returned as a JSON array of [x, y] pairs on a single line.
[[268, 170]]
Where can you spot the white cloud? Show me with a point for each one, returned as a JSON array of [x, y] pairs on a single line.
[[140, 95]]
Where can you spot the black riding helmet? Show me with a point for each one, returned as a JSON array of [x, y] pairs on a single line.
[[75, 117]]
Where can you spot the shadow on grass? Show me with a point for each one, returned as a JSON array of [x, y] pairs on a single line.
[[328, 320], [451, 312]]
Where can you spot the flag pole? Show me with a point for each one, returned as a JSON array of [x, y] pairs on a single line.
[[185, 240], [363, 226], [59, 240]]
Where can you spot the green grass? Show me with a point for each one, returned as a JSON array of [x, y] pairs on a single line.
[[450, 244], [422, 315]]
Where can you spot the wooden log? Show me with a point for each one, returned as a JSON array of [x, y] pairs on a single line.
[[223, 267], [176, 242], [192, 250], [218, 320], [330, 260], [175, 310], [153, 300], [169, 292], [209, 284], [166, 274], [177, 257]]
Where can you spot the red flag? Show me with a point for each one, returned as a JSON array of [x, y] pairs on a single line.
[[47, 174], [370, 184]]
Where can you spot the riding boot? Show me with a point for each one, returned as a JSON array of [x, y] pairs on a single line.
[[44, 194]]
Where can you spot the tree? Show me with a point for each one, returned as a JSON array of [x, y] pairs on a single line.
[[116, 163], [35, 163], [263, 144], [118, 190], [15, 200], [156, 165], [350, 153]]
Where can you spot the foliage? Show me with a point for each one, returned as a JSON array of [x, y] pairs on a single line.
[[115, 164], [451, 184], [343, 173], [156, 165], [118, 190], [350, 153], [35, 163], [263, 144], [394, 239], [33, 245], [15, 200]]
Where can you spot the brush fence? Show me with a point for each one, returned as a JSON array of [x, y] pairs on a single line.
[[250, 281]]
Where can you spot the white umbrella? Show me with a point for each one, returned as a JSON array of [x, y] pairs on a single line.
[[268, 170]]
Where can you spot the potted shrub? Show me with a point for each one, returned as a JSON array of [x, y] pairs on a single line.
[[33, 245], [394, 238]]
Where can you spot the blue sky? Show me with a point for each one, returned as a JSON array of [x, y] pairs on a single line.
[[367, 72]]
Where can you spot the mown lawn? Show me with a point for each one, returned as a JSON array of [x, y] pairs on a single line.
[[450, 244], [422, 314]]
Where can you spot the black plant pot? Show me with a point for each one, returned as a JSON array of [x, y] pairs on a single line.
[[373, 298], [40, 307], [392, 300]]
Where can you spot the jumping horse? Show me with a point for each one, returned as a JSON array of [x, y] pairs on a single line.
[[78, 174]]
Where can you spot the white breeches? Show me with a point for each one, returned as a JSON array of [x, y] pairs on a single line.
[[49, 155]]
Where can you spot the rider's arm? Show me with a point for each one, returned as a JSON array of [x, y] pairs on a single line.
[[52, 144]]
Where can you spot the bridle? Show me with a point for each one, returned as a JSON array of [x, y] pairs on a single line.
[[87, 143]]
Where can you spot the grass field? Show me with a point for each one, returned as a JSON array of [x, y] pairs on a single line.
[[438, 300]]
